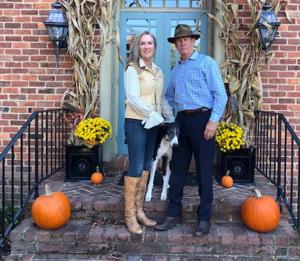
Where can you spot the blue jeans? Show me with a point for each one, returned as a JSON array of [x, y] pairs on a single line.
[[141, 144]]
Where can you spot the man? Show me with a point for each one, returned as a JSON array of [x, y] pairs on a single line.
[[197, 91]]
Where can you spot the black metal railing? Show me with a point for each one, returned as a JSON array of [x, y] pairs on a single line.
[[35, 153], [278, 159]]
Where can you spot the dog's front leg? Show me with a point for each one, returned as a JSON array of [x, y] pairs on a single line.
[[151, 181], [166, 178]]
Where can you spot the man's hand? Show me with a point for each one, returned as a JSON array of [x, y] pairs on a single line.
[[210, 130]]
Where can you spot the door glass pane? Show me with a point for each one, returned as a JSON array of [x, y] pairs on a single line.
[[134, 3], [171, 3], [136, 26], [157, 3], [184, 3], [195, 25]]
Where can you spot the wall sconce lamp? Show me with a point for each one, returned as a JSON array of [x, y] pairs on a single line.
[[267, 24], [57, 26]]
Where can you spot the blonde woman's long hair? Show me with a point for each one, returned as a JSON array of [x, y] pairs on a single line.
[[134, 54]]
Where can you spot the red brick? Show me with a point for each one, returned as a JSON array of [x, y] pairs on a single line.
[[6, 5], [21, 45], [13, 38], [12, 25], [5, 45], [12, 129], [294, 81], [288, 48], [20, 58], [45, 104], [6, 31], [13, 64], [286, 88], [22, 32], [289, 34], [36, 97], [277, 81], [37, 84], [288, 61], [22, 19], [9, 116], [277, 107], [13, 52], [10, 90], [286, 74], [20, 84], [294, 107], [29, 12], [17, 97], [27, 103], [29, 90]]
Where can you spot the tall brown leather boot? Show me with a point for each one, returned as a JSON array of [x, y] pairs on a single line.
[[139, 199], [130, 187]]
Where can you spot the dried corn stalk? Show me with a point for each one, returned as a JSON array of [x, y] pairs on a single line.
[[243, 63], [86, 47], [90, 30]]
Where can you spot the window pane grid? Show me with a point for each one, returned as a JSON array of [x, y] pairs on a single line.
[[202, 4]]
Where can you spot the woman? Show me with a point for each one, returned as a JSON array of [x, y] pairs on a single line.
[[144, 104]]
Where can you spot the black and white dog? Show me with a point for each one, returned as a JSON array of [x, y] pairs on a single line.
[[169, 138]]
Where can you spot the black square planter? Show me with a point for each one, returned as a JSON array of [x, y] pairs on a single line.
[[81, 162], [240, 163]]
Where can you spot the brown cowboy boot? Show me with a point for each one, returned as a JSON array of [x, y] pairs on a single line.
[[139, 200], [130, 187]]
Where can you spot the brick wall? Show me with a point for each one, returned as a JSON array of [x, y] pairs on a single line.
[[29, 79], [281, 81]]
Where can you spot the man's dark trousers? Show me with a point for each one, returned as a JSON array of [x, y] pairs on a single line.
[[192, 142]]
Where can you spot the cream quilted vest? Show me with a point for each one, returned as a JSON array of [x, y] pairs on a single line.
[[151, 83]]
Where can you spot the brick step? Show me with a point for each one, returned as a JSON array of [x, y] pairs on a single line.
[[104, 239], [224, 208], [107, 200]]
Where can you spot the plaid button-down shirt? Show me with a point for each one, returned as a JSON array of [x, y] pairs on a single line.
[[196, 83]]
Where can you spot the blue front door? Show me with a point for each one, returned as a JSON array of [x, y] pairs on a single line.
[[162, 25]]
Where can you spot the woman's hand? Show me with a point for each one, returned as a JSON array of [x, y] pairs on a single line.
[[154, 119]]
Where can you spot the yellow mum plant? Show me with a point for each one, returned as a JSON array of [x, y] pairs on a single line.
[[229, 136], [93, 130]]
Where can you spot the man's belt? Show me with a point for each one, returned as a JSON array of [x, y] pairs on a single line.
[[191, 112]]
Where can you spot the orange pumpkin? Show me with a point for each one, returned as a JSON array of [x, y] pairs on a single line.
[[227, 181], [97, 177], [260, 213], [52, 210]]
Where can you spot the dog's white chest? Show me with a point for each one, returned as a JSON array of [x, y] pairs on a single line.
[[165, 149]]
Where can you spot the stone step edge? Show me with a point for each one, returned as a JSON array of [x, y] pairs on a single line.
[[76, 232], [115, 207], [126, 257], [228, 211], [118, 204]]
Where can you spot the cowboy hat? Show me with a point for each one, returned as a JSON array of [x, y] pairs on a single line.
[[182, 30]]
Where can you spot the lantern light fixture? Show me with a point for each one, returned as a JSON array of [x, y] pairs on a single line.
[[57, 27], [267, 24]]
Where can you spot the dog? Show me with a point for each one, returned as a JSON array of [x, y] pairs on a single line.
[[170, 133]]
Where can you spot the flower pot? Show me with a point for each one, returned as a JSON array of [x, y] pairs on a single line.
[[90, 144], [239, 162], [81, 162]]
